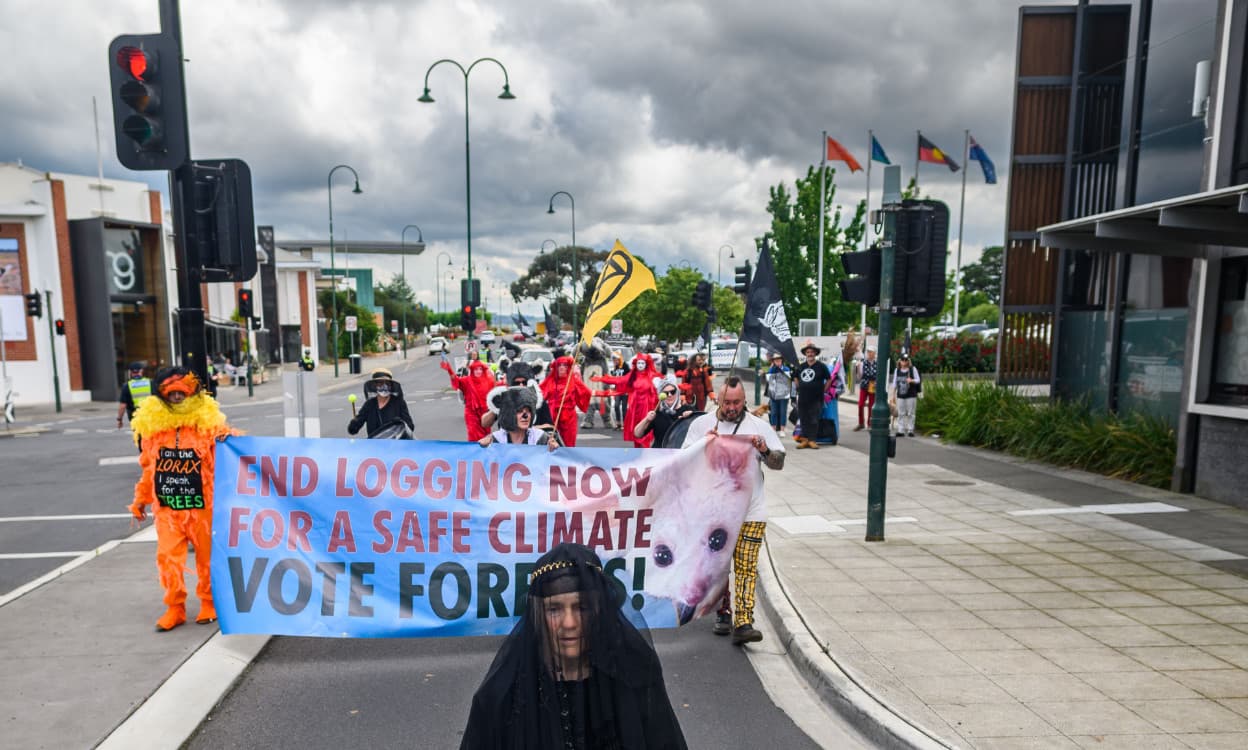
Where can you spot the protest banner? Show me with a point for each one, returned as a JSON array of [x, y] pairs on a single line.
[[388, 538]]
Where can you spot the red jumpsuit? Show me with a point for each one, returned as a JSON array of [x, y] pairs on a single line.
[[474, 388], [638, 385], [564, 392]]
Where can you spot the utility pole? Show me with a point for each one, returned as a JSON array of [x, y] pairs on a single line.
[[878, 477]]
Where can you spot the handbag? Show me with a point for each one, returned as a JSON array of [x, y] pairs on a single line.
[[871, 387]]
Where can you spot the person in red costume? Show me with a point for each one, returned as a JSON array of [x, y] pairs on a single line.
[[474, 386], [564, 393], [638, 385]]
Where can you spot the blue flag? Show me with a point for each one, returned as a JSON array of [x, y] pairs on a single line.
[[877, 152], [978, 154]]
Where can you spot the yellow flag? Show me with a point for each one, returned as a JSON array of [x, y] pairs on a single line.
[[623, 278]]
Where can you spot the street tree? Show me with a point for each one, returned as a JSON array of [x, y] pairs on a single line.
[[794, 236], [369, 331], [549, 275], [984, 275]]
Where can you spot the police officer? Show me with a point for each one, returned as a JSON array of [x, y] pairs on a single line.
[[307, 363], [136, 389]]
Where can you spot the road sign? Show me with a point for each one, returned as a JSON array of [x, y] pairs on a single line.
[[352, 325], [470, 346], [617, 327], [394, 326]]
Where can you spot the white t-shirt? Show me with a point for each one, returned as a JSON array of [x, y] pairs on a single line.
[[535, 436], [750, 425]]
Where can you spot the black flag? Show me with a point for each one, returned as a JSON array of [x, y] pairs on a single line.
[[552, 328], [765, 322]]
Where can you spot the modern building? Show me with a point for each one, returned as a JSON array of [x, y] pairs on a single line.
[[1127, 224]]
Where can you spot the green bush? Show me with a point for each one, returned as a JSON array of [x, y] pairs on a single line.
[[985, 313], [1136, 447]]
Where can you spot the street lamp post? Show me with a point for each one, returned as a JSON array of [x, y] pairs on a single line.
[[426, 99], [576, 266], [438, 278], [719, 266], [333, 273], [420, 237]]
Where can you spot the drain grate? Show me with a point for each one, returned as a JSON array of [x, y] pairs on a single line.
[[949, 483]]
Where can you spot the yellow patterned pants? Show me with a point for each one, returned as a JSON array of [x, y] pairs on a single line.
[[745, 572]]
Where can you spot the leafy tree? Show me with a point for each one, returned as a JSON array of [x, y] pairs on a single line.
[[397, 297], [368, 332], [984, 275], [794, 237], [549, 275], [986, 313], [730, 308]]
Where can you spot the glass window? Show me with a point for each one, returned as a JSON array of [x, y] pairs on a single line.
[[1082, 363], [1230, 368], [1170, 153], [1150, 362]]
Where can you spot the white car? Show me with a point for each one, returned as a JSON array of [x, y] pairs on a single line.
[[537, 354], [438, 345], [723, 353], [486, 336]]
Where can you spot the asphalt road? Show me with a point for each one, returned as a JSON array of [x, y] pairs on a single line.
[[312, 692]]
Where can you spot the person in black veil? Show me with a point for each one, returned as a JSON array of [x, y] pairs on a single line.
[[574, 674]]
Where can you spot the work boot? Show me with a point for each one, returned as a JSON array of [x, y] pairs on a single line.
[[746, 634], [723, 624], [207, 613], [173, 617]]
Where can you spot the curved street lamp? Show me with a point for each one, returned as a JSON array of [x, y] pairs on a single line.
[[576, 266], [542, 251], [420, 237], [719, 271], [426, 99], [333, 273]]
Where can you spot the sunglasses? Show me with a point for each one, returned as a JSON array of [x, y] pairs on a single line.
[[668, 394]]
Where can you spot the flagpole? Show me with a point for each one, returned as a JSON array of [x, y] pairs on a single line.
[[866, 232], [822, 196], [957, 267], [917, 154]]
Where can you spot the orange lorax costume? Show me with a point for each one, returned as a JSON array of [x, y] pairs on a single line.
[[564, 392], [178, 431], [475, 386]]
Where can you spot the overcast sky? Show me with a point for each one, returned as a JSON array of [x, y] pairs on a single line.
[[667, 120]]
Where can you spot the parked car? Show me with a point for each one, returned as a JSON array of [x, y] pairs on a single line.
[[990, 333], [973, 328], [537, 354], [723, 353], [487, 337], [438, 345]]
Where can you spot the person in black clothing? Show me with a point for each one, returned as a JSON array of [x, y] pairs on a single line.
[[385, 405], [812, 378], [520, 373], [575, 673], [671, 409]]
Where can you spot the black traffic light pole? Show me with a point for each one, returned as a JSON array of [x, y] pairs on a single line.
[[191, 337], [56, 377], [877, 480]]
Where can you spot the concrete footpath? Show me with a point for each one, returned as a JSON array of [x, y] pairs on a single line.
[[1012, 606]]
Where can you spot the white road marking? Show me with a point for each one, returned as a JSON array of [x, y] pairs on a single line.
[[119, 460], [332, 411], [83, 517], [74, 430], [104, 431], [1110, 509], [591, 436], [37, 555]]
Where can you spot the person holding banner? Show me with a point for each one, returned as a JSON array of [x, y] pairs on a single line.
[[384, 407], [474, 386], [732, 418], [574, 672], [565, 392], [669, 411], [516, 409], [178, 429]]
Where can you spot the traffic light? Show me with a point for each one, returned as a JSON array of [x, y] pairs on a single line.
[[470, 293], [468, 318], [245, 308], [863, 268], [149, 101], [34, 305], [60, 327], [224, 235], [742, 285], [702, 295], [921, 247]]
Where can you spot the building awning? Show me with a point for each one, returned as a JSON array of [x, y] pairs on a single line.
[[356, 247], [1183, 227]]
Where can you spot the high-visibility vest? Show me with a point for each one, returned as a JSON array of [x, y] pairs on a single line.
[[140, 388]]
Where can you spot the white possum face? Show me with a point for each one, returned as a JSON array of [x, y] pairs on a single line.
[[699, 506]]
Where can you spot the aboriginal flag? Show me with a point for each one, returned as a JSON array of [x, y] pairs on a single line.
[[930, 153]]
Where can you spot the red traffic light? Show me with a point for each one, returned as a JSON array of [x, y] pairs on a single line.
[[136, 62], [60, 327], [467, 309]]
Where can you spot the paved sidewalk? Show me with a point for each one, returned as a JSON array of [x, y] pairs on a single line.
[[996, 617]]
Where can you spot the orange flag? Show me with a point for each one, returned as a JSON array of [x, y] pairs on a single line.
[[837, 152]]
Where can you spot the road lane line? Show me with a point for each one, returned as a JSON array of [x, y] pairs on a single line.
[[38, 555], [84, 517], [119, 460], [59, 571]]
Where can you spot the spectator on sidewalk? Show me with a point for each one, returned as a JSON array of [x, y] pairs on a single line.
[[866, 386], [732, 418], [779, 390], [906, 388], [813, 378]]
